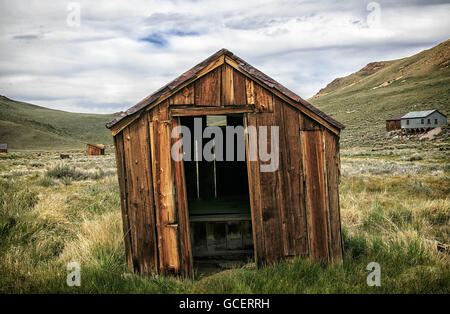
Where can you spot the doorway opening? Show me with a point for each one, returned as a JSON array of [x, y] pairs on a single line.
[[218, 196]]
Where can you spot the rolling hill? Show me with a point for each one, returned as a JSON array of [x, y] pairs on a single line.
[[27, 126], [381, 90]]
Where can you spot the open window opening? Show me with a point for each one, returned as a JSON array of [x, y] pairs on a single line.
[[218, 196]]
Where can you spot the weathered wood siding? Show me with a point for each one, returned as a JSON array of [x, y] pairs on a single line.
[[136, 187], [392, 125], [295, 210], [300, 201], [93, 150]]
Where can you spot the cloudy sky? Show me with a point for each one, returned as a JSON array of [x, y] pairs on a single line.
[[121, 51]]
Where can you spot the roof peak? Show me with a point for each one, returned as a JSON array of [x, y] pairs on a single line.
[[243, 66]]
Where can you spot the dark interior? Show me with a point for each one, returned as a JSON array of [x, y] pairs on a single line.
[[218, 200]]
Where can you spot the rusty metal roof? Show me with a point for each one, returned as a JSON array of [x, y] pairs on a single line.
[[253, 72], [101, 146]]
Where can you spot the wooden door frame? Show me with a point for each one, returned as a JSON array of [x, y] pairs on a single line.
[[175, 119]]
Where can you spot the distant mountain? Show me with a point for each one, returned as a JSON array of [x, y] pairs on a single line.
[[27, 126], [365, 99]]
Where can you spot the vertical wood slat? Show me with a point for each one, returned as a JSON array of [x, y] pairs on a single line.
[[259, 96], [332, 166], [239, 87], [270, 201], [263, 98], [250, 91], [121, 175], [164, 191], [316, 202], [140, 201], [207, 89], [183, 214], [292, 190], [254, 190], [227, 85], [283, 188]]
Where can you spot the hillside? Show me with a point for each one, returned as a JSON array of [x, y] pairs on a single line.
[[26, 126], [365, 99]]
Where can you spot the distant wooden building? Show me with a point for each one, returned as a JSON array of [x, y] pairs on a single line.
[[394, 123], [3, 148], [423, 120], [175, 212], [95, 149]]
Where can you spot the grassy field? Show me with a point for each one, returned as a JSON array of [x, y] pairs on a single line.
[[26, 126], [395, 205]]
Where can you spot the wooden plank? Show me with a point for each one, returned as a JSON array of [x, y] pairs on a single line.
[[140, 195], [154, 143], [199, 111], [251, 146], [249, 91], [121, 175], [293, 215], [332, 159], [284, 207], [316, 202], [263, 99], [227, 85], [208, 89], [184, 96], [164, 187], [270, 201], [131, 203], [240, 96], [183, 213]]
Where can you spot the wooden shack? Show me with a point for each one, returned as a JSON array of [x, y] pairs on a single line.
[[3, 148], [394, 123], [95, 149], [175, 212]]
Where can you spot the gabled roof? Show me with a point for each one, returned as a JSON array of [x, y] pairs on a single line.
[[420, 114], [245, 67]]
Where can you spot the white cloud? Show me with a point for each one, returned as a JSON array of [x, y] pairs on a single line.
[[124, 51]]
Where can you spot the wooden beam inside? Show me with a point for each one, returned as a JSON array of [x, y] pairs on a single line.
[[201, 111]]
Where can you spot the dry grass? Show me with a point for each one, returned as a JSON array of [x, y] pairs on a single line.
[[392, 210]]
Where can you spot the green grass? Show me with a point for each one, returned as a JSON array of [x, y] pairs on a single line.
[[26, 126], [389, 218]]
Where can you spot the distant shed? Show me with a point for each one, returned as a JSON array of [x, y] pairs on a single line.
[[177, 211], [422, 120], [3, 148], [394, 123], [95, 149]]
